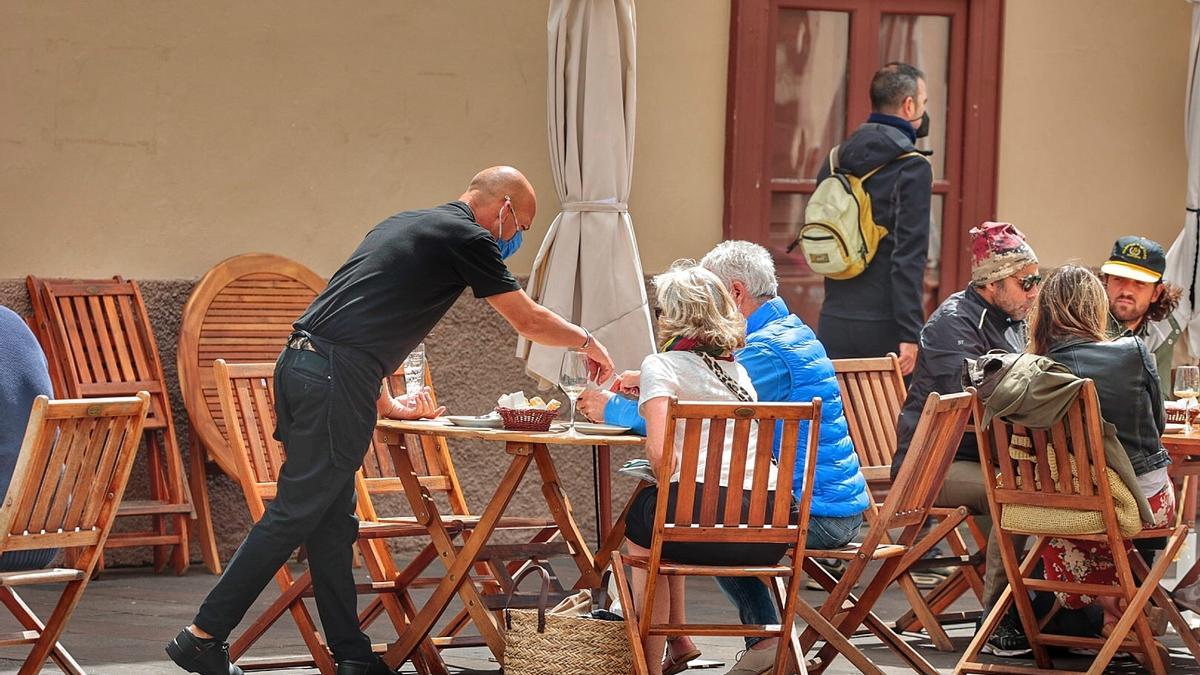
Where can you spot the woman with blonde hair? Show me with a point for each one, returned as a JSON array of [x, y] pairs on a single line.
[[699, 328], [1069, 325]]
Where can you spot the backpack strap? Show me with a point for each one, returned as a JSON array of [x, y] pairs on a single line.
[[876, 170]]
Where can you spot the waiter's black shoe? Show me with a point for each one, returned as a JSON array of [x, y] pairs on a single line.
[[197, 655], [376, 667]]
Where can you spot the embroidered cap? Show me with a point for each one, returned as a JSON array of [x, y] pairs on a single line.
[[1136, 258]]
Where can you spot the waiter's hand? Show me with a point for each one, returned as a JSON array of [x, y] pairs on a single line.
[[415, 406], [600, 366], [592, 403], [908, 357]]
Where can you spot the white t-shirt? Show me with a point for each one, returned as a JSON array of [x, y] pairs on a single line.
[[685, 376]]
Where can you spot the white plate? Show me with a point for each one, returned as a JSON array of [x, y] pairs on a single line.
[[599, 429], [1173, 428], [476, 421]]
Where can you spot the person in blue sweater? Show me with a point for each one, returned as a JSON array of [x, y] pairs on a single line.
[[23, 377], [785, 362]]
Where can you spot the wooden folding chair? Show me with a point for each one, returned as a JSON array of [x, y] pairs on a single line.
[[247, 395], [1018, 480], [930, 453], [241, 311], [873, 395], [726, 525], [98, 338], [65, 492]]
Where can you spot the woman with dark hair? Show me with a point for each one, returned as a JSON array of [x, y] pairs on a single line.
[[1068, 325]]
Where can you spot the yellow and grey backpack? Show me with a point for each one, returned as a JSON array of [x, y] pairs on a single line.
[[839, 236]]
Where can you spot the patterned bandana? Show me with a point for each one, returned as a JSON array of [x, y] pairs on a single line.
[[998, 250], [683, 344]]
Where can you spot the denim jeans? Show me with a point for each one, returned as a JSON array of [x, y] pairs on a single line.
[[752, 597]]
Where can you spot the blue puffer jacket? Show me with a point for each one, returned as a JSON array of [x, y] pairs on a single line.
[[786, 362]]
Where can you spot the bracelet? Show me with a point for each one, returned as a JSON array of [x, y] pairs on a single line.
[[588, 342]]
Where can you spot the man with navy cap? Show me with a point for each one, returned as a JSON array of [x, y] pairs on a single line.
[[1140, 303]]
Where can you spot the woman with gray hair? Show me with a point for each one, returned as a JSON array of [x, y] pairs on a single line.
[[698, 329]]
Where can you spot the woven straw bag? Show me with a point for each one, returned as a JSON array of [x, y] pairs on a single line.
[[1062, 521], [538, 642]]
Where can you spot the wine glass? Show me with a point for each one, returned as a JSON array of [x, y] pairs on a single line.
[[1187, 387], [573, 378]]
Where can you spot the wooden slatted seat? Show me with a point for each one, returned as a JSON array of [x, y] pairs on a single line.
[[247, 394], [907, 507], [873, 394], [1026, 478], [99, 343], [725, 525], [241, 311], [65, 492]]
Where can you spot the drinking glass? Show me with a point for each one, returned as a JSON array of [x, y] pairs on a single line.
[[414, 370], [1187, 387], [573, 378]]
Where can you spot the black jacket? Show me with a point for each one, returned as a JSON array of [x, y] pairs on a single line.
[[1127, 386], [964, 326], [892, 286]]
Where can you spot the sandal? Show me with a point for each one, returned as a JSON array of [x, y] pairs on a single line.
[[677, 664]]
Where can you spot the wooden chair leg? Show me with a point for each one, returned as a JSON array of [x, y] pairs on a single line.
[[158, 490], [29, 621], [1161, 600], [937, 634], [198, 482], [632, 621], [48, 639]]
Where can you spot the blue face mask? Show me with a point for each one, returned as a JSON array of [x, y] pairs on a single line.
[[509, 247]]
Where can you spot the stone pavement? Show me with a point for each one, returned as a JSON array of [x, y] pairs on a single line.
[[127, 615]]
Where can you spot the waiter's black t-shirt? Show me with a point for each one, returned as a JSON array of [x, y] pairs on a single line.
[[403, 278]]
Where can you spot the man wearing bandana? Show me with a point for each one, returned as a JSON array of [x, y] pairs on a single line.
[[988, 314], [407, 272], [880, 310]]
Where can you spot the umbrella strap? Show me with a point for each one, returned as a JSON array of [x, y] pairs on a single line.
[[1195, 261], [597, 207]]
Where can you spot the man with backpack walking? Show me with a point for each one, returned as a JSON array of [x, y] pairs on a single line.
[[873, 297]]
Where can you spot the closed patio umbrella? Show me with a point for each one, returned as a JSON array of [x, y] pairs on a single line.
[[1184, 254], [588, 269]]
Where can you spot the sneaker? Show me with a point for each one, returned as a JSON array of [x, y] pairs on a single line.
[[836, 568], [197, 655], [1008, 641], [754, 662]]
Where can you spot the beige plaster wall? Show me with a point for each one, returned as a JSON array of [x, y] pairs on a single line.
[[1091, 123], [155, 139]]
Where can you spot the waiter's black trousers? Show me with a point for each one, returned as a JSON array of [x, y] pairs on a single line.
[[314, 507]]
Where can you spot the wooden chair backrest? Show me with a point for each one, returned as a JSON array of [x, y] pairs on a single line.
[[934, 444], [741, 421], [1076, 435], [247, 394], [872, 395], [71, 474], [97, 335], [241, 311]]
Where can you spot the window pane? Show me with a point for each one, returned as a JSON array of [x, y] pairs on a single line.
[[923, 41], [787, 214], [810, 90]]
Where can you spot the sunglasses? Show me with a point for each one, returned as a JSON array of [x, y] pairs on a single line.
[[1028, 283]]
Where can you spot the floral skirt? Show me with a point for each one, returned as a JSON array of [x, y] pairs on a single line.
[[1091, 562]]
